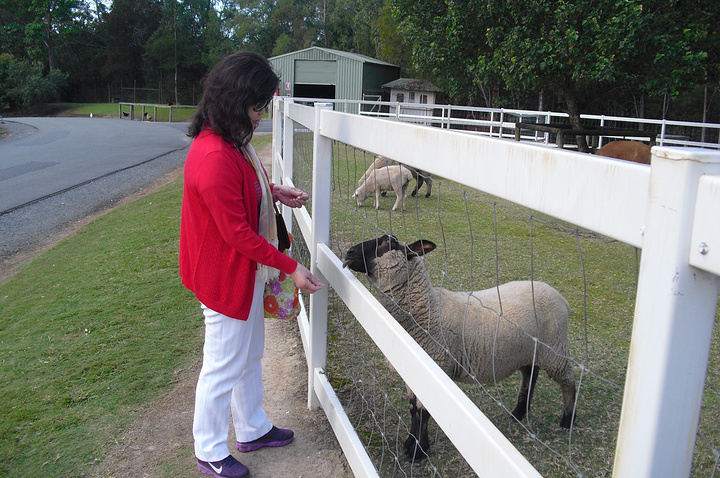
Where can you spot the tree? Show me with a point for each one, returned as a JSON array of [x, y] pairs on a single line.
[[218, 42], [274, 27], [32, 29], [25, 84], [392, 45], [127, 27], [446, 38], [656, 47], [173, 55], [577, 49]]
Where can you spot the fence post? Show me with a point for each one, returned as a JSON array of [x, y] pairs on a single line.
[[672, 328], [282, 144], [662, 132], [280, 125], [321, 197]]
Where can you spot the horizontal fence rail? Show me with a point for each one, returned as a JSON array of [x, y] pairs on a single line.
[[501, 122], [144, 115], [668, 209]]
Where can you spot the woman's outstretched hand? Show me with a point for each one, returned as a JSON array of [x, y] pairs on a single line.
[[290, 196]]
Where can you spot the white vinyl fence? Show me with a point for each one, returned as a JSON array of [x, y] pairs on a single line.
[[501, 122], [670, 210]]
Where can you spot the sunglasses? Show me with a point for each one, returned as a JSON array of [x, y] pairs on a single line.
[[261, 106]]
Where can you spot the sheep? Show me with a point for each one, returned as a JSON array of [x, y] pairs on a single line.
[[419, 175], [383, 179], [628, 150], [487, 334]]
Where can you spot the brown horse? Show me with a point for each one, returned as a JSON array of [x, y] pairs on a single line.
[[628, 150]]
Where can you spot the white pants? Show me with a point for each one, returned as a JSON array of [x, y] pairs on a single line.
[[230, 379]]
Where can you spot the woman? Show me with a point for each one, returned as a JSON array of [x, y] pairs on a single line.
[[228, 250]]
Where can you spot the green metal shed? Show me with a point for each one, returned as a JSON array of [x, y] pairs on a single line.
[[324, 73]]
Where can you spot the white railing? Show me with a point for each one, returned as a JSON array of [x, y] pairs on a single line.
[[668, 209], [501, 122]]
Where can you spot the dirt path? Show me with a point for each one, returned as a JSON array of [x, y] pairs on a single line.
[[160, 443]]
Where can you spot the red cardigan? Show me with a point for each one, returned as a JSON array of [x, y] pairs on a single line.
[[219, 244]]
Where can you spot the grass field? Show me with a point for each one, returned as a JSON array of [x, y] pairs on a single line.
[[97, 327], [483, 241], [91, 332], [180, 114]]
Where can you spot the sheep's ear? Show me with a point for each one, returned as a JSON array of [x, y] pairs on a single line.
[[386, 243], [419, 248]]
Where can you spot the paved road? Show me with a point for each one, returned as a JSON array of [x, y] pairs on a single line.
[[56, 154], [54, 172]]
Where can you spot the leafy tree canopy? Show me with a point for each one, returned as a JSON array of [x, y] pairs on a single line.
[[579, 55]]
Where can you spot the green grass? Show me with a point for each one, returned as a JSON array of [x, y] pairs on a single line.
[[94, 329], [483, 241], [91, 332], [113, 110]]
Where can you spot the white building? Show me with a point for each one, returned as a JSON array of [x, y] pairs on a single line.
[[412, 93]]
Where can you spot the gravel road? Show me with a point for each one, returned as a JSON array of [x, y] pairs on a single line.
[[31, 228]]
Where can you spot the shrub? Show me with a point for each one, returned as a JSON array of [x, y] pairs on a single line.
[[26, 87]]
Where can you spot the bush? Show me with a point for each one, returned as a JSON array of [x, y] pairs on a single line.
[[26, 86]]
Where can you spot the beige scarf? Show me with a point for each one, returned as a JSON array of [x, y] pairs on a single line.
[[267, 227]]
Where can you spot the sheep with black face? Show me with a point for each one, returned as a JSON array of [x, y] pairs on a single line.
[[489, 334]]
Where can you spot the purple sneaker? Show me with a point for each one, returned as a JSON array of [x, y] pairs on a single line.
[[225, 468], [275, 437]]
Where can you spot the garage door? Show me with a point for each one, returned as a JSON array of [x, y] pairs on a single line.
[[316, 72]]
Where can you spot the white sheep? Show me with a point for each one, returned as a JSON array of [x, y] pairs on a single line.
[[488, 334], [395, 178], [419, 175]]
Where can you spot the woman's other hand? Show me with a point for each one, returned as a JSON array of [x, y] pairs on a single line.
[[305, 281], [290, 196]]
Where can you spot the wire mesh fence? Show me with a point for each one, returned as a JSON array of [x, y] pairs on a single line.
[[483, 242]]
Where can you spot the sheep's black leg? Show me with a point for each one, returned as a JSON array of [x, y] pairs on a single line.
[[565, 377], [417, 442], [527, 387], [568, 391], [428, 182], [418, 183]]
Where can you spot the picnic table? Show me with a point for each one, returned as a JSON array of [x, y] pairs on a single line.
[[563, 130]]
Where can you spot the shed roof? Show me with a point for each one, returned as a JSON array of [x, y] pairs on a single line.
[[411, 84], [352, 56]]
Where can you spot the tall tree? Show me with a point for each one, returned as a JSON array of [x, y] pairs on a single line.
[[14, 16], [50, 16], [127, 27], [576, 49], [30, 29], [392, 45], [446, 38], [174, 52]]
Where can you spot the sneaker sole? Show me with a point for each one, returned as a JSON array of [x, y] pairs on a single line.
[[246, 447], [208, 471]]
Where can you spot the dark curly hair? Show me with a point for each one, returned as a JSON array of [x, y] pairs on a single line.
[[239, 81]]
